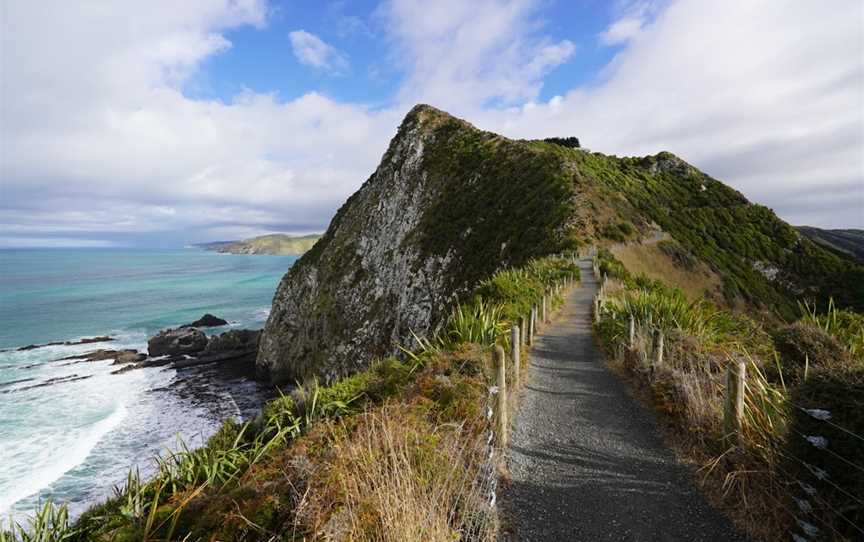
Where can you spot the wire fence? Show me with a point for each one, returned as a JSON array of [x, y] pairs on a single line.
[[817, 471]]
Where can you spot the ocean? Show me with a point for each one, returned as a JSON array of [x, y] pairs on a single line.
[[71, 431]]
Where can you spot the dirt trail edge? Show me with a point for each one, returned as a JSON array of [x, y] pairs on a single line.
[[587, 462]]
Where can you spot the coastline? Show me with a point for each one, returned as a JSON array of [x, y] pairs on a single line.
[[71, 428], [192, 402]]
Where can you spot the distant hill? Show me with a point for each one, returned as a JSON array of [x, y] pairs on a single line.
[[849, 242], [277, 243]]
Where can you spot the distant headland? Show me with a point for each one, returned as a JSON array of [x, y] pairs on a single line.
[[277, 244]]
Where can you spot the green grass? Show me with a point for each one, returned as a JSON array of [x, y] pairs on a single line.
[[719, 226], [844, 325], [49, 524]]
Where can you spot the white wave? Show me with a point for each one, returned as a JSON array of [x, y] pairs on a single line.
[[260, 315], [72, 453]]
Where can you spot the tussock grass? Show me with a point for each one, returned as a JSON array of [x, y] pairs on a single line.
[[405, 479], [844, 325], [476, 322], [49, 524]]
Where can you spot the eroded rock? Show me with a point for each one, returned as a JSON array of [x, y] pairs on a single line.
[[180, 341]]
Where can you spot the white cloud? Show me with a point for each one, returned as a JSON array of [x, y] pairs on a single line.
[[764, 95], [633, 16], [461, 56], [98, 137], [312, 51], [622, 30]]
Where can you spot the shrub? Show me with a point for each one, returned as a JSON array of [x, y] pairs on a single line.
[[619, 231], [844, 325], [680, 255], [803, 347]]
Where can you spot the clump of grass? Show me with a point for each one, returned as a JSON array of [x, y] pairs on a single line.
[[402, 479], [50, 523], [844, 325], [517, 290], [475, 322]]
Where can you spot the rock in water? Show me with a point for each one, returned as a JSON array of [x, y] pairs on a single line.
[[235, 341], [173, 342], [208, 320], [448, 205]]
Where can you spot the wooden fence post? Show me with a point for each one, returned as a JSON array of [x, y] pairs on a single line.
[[515, 351], [658, 347], [632, 341], [502, 395], [733, 410], [532, 319], [523, 324], [543, 311], [597, 309]]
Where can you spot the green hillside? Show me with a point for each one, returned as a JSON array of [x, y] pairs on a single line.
[[846, 242], [759, 257]]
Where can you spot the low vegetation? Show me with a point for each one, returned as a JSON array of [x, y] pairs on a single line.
[[398, 452], [796, 468], [760, 258]]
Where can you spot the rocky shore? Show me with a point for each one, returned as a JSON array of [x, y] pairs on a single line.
[[181, 347], [212, 371]]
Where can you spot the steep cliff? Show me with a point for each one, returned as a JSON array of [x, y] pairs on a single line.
[[449, 204]]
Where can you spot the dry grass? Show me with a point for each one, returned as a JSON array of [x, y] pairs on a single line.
[[652, 262], [404, 479]]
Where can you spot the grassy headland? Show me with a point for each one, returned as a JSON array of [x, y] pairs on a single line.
[[276, 244]]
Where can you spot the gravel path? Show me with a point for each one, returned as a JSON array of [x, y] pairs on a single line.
[[587, 462]]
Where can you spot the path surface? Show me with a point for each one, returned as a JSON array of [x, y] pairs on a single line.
[[587, 462]]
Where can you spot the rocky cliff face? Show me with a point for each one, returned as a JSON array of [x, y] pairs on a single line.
[[446, 207]]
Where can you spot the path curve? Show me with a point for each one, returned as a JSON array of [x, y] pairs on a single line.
[[586, 461]]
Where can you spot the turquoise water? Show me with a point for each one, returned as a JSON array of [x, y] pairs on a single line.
[[72, 440]]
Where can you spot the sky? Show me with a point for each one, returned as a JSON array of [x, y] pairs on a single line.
[[163, 123]]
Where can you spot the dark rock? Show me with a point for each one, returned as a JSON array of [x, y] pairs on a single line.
[[128, 356], [119, 356], [208, 320], [235, 340], [176, 342], [236, 344], [86, 340], [58, 380]]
